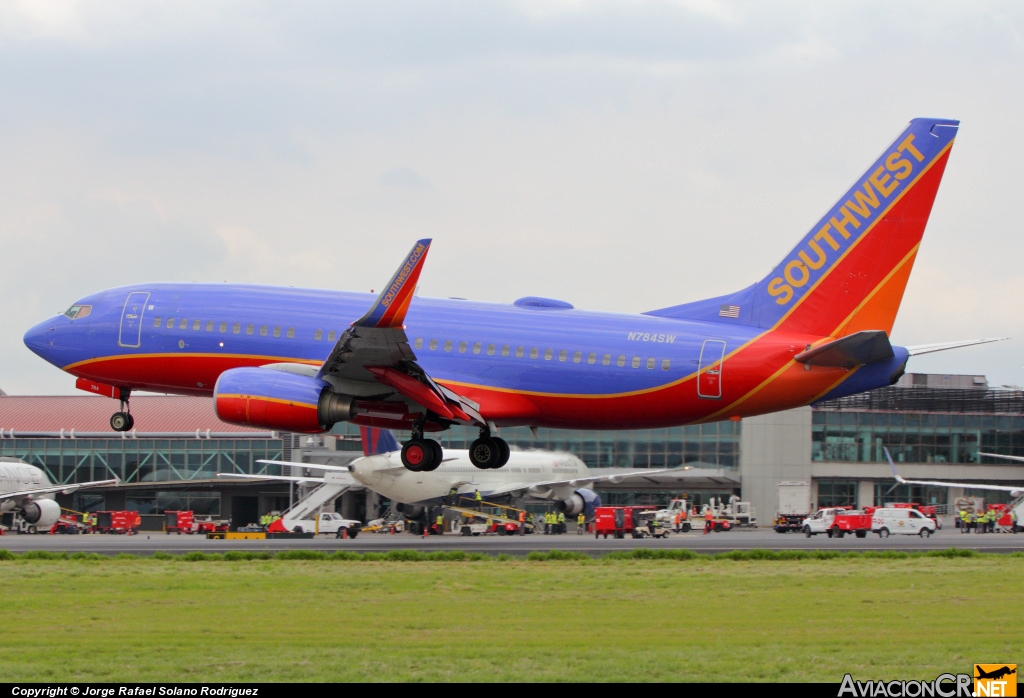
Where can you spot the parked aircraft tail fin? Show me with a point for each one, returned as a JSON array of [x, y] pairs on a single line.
[[377, 441], [849, 272]]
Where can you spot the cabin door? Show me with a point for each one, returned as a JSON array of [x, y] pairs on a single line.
[[131, 319], [709, 372]]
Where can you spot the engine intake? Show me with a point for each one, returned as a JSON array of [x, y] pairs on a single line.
[[582, 500], [261, 397], [41, 513]]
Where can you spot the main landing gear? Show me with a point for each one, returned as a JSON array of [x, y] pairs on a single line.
[[423, 455], [489, 452], [123, 420]]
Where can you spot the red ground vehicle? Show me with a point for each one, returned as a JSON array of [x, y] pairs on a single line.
[[855, 521], [617, 521], [208, 525], [117, 521], [179, 522]]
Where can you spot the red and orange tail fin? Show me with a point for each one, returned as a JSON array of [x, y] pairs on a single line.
[[391, 305], [848, 274]]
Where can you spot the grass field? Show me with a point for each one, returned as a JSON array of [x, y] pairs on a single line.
[[702, 619]]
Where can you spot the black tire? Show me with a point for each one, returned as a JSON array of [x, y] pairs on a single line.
[[807, 531], [838, 532], [437, 454], [883, 532], [862, 534], [339, 533], [465, 531], [484, 453], [925, 532], [687, 527], [597, 535], [353, 531], [119, 421], [131, 423], [417, 455], [504, 452], [298, 529]]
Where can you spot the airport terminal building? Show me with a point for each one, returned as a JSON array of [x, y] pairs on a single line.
[[935, 426]]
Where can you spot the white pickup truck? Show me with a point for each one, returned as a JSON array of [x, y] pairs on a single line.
[[329, 522]]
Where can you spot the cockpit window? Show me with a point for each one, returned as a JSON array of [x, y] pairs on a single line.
[[76, 312]]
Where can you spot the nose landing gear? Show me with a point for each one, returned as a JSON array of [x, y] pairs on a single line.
[[123, 420]]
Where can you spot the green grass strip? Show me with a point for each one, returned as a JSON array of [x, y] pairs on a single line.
[[535, 556]]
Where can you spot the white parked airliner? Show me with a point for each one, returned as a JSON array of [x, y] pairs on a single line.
[[26, 489]]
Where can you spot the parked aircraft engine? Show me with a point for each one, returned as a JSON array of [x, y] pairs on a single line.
[[264, 397], [411, 511], [581, 500], [41, 513]]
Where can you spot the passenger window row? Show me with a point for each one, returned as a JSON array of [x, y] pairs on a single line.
[[549, 354], [222, 327]]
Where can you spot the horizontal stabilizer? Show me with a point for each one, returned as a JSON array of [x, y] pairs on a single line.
[[943, 346], [858, 349]]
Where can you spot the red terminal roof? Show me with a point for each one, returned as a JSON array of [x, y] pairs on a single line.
[[87, 413]]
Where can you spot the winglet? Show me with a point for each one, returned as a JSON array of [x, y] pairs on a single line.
[[893, 467], [391, 305]]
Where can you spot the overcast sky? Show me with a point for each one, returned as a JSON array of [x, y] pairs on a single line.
[[618, 155]]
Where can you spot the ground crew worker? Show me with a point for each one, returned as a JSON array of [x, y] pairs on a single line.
[[478, 500], [581, 524], [678, 523], [965, 521], [522, 522], [708, 520], [439, 524], [561, 522], [547, 523], [452, 494]]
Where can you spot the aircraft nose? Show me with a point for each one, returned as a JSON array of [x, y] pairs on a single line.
[[41, 339]]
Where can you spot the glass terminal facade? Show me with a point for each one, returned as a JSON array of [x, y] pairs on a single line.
[[917, 424], [137, 461]]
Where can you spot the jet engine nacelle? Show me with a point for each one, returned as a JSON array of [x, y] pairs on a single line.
[[263, 397], [41, 513], [582, 500], [411, 511]]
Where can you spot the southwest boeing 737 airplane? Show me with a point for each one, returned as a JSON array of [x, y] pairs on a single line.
[[815, 328]]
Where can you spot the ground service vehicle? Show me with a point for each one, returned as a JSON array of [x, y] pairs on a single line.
[[889, 520], [793, 506], [676, 508], [330, 522], [649, 524], [118, 521], [179, 522], [836, 522], [617, 521]]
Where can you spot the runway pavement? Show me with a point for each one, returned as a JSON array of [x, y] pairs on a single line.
[[745, 539]]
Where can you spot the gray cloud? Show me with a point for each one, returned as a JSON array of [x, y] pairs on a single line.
[[620, 155]]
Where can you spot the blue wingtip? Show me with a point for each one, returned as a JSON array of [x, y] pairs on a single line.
[[892, 466]]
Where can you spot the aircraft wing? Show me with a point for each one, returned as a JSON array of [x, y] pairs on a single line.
[[521, 488], [375, 349], [55, 489], [1016, 491], [942, 346], [349, 482], [311, 466]]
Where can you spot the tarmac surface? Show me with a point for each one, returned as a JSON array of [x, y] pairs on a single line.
[[738, 539]]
